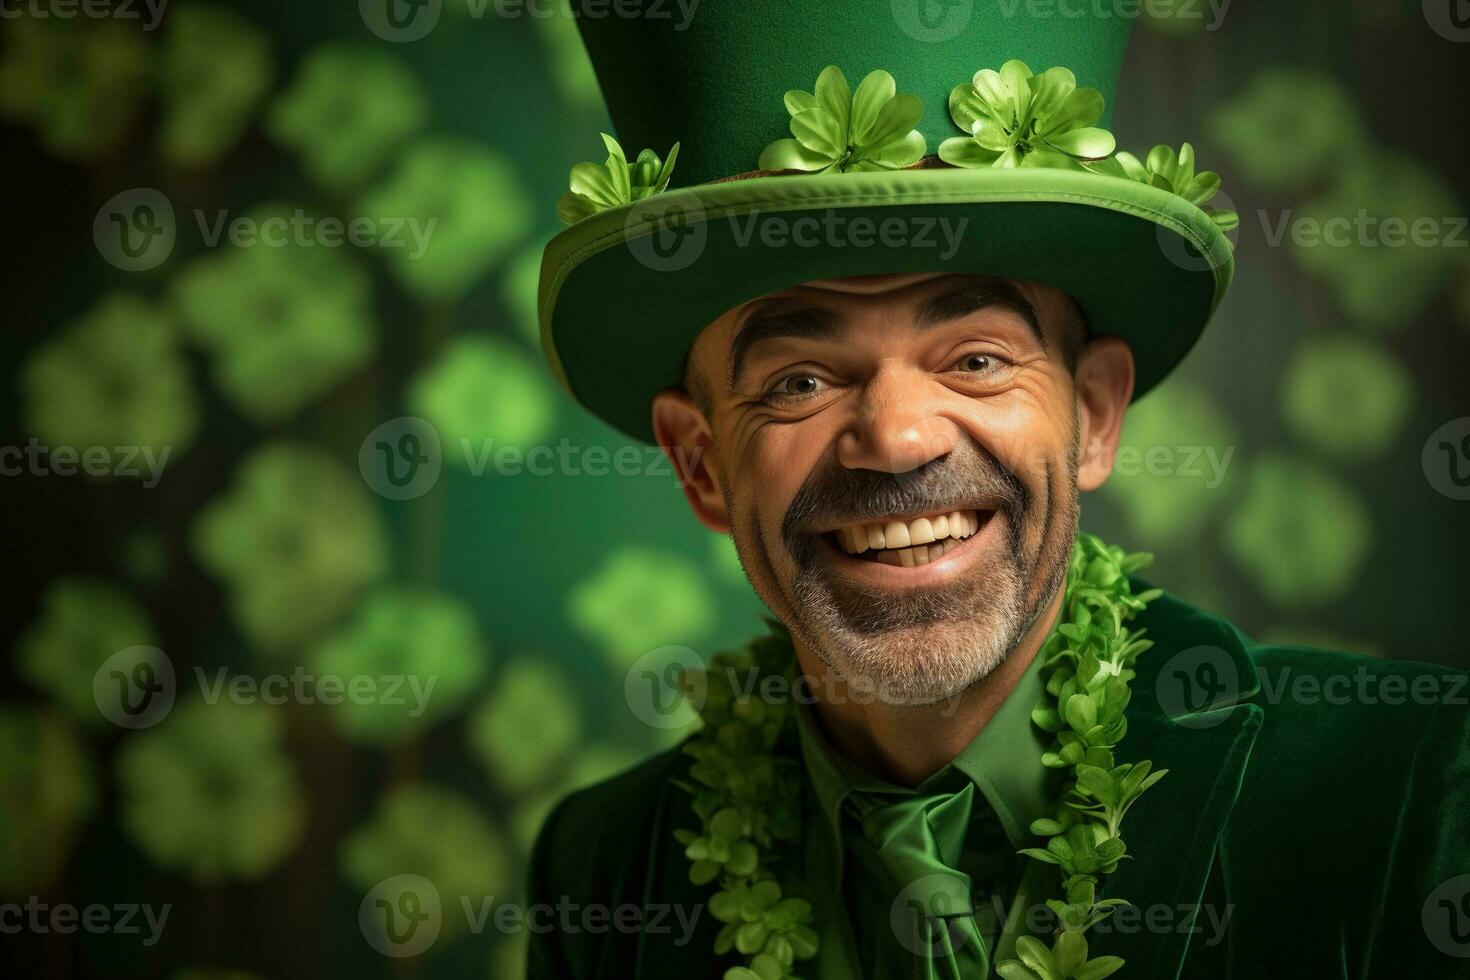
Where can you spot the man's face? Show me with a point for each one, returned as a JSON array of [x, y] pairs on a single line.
[[897, 459]]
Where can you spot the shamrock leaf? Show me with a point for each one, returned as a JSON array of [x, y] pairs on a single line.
[[1019, 119], [1175, 173], [833, 130], [602, 187]]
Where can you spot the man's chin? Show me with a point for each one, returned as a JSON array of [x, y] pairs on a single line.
[[916, 665]]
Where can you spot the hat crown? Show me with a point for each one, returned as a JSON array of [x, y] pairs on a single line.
[[711, 75]]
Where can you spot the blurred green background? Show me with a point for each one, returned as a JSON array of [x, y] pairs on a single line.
[[1292, 484]]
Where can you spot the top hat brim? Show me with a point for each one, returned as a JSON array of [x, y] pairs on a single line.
[[624, 292]]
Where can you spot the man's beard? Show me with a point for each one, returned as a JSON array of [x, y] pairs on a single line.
[[926, 645]]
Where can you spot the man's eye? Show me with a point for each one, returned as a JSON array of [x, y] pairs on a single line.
[[798, 385], [977, 364]]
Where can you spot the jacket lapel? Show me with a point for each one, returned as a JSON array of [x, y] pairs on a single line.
[[674, 952], [1190, 714]]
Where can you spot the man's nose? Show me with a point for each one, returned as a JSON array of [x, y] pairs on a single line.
[[896, 428]]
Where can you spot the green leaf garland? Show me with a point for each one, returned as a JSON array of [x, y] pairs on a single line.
[[748, 796]]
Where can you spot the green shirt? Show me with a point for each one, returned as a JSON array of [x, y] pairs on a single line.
[[1004, 763]]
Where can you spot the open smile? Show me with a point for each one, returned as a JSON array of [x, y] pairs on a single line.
[[908, 543]]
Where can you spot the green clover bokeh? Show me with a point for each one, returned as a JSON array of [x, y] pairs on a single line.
[[79, 81], [422, 829], [528, 726], [216, 66], [284, 319], [348, 108], [1299, 533], [116, 379], [84, 621], [482, 393], [468, 202], [211, 792], [1288, 128], [423, 650], [48, 789], [1346, 396], [1173, 467], [294, 540], [640, 599]]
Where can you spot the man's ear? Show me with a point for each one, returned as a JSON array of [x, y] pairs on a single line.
[[1104, 381], [683, 433]]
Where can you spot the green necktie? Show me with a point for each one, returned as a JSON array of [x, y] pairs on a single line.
[[919, 841]]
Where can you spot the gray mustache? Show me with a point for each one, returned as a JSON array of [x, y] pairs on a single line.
[[967, 476]]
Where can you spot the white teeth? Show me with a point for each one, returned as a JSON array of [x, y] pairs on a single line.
[[891, 538], [921, 531], [896, 534]]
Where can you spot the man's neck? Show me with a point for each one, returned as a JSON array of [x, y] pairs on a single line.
[[906, 744]]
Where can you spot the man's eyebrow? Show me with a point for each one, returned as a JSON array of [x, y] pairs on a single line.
[[979, 296], [805, 322]]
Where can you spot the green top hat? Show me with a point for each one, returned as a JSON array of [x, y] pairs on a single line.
[[788, 175]]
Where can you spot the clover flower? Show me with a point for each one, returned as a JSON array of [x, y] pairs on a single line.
[[1175, 173], [834, 130], [1019, 119], [601, 187]]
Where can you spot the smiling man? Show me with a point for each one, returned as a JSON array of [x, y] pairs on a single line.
[[924, 770]]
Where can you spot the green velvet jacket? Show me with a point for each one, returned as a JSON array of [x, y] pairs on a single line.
[[1317, 803]]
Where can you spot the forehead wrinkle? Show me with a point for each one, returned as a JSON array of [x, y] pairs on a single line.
[[974, 297]]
